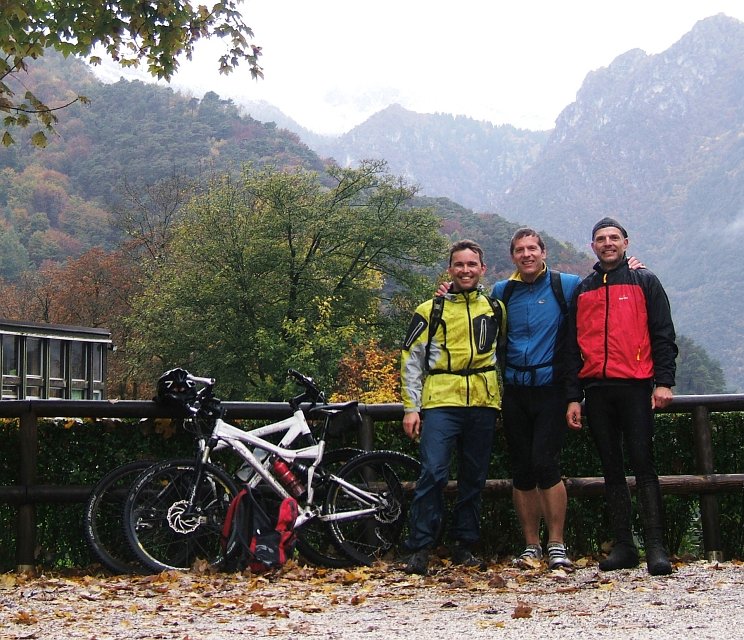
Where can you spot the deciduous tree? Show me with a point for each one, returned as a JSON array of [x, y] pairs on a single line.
[[276, 270]]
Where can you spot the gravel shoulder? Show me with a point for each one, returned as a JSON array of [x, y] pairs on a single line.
[[699, 600]]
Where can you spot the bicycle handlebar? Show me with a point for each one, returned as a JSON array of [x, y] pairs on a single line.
[[198, 380], [312, 389]]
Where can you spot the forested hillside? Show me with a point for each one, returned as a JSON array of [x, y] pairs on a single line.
[[122, 168], [61, 200], [468, 161], [58, 201]]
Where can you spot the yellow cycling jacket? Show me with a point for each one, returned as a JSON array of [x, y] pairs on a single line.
[[461, 370]]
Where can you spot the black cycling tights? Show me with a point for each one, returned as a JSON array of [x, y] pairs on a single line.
[[620, 414]]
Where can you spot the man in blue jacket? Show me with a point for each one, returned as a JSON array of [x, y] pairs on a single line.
[[533, 404]]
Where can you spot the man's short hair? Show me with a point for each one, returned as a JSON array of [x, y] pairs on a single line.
[[526, 232], [466, 244]]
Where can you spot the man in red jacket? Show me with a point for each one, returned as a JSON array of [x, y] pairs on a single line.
[[621, 355]]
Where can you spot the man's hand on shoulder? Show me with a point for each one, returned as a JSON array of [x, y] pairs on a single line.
[[443, 288], [634, 263]]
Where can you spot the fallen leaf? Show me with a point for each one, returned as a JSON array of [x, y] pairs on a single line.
[[24, 617], [7, 581], [522, 610], [497, 582]]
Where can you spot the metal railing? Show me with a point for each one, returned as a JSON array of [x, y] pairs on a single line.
[[28, 493]]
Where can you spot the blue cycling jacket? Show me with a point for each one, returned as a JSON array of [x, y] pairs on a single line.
[[533, 320]]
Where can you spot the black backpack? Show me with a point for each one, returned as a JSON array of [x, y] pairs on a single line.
[[557, 286], [254, 539]]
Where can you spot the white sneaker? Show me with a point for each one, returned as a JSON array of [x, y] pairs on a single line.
[[557, 558], [530, 558]]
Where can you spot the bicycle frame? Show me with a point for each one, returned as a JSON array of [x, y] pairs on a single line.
[[225, 435]]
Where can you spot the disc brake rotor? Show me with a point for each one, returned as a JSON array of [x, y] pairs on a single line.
[[180, 520]]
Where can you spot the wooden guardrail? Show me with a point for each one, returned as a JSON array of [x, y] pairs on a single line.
[[28, 493]]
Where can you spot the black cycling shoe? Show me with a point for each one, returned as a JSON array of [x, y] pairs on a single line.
[[463, 556], [418, 562]]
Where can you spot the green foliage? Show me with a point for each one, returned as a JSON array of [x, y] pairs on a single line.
[[13, 255], [697, 372], [276, 270], [132, 137], [129, 31], [78, 453]]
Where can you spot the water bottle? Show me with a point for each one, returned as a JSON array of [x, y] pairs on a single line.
[[290, 481]]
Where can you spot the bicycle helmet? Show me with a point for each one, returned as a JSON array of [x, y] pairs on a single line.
[[175, 387]]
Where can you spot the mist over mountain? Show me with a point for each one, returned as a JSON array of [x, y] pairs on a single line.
[[466, 160], [654, 140]]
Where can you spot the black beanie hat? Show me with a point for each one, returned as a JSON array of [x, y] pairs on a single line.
[[608, 222]]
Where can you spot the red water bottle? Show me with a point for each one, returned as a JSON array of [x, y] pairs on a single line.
[[290, 481]]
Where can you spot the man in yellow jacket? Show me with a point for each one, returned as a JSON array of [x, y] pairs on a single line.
[[451, 397]]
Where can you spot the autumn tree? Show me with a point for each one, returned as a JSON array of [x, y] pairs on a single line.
[[93, 290], [148, 215], [370, 373], [273, 269], [130, 32]]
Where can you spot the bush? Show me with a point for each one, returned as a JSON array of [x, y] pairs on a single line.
[[79, 453]]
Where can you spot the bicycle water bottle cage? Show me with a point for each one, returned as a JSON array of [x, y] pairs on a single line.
[[176, 388]]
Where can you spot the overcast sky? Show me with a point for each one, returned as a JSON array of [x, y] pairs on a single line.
[[330, 64]]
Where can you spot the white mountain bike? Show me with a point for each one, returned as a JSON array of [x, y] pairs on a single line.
[[174, 511]]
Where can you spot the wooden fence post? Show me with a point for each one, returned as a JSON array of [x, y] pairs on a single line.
[[26, 518], [709, 513], [366, 436]]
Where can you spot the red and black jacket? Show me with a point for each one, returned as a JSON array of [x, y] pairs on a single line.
[[619, 329]]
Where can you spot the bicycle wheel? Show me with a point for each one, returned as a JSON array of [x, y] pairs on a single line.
[[315, 541], [164, 528], [103, 517], [390, 475]]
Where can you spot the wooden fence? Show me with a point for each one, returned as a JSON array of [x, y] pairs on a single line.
[[27, 493]]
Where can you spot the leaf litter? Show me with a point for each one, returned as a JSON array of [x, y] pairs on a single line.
[[374, 602]]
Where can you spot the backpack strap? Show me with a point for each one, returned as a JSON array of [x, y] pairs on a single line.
[[556, 283], [508, 290], [499, 312], [437, 308]]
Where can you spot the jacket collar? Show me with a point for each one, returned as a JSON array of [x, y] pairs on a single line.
[[518, 276], [623, 264]]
